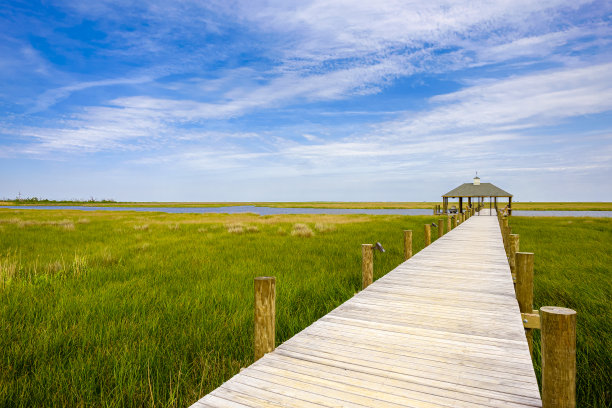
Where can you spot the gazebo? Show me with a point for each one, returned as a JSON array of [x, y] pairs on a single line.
[[477, 191]]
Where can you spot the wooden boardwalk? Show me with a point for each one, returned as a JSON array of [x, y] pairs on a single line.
[[443, 329]]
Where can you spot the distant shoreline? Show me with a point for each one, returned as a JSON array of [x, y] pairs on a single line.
[[524, 206]]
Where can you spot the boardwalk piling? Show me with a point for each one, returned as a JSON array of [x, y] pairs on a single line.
[[265, 315], [407, 244], [558, 357], [367, 265], [454, 221], [504, 231], [524, 288], [514, 248], [427, 235], [440, 228], [448, 224]]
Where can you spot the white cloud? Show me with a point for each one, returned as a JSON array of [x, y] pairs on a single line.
[[52, 96], [510, 104]]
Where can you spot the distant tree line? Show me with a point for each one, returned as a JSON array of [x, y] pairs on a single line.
[[37, 200]]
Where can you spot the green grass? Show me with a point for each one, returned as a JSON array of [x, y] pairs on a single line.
[[573, 268], [131, 309]]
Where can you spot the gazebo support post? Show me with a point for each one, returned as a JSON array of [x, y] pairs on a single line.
[[460, 204], [509, 205]]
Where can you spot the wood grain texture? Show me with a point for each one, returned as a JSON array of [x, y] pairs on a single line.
[[265, 315], [367, 265], [558, 357], [443, 329], [427, 230], [524, 288], [407, 244]]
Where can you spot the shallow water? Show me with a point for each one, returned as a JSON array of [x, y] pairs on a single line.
[[274, 211]]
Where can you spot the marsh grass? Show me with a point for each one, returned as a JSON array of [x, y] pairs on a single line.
[[573, 269], [112, 315], [125, 311]]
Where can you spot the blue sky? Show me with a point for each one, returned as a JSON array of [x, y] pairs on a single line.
[[308, 100]]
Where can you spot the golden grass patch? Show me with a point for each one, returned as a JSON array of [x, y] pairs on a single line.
[[9, 266], [53, 268], [321, 227], [301, 230], [79, 265], [236, 228]]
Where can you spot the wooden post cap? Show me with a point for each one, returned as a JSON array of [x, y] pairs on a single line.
[[557, 310], [265, 278]]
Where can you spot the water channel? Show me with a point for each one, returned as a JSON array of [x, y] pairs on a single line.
[[274, 210]]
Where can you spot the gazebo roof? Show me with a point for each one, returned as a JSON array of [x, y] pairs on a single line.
[[481, 190]]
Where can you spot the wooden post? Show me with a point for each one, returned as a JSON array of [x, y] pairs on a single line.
[[504, 231], [558, 357], [265, 315], [448, 224], [508, 233], [514, 248], [524, 288], [367, 265], [454, 221], [427, 235], [407, 244], [440, 228]]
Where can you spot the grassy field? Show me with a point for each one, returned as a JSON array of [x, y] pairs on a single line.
[[573, 268], [526, 206], [132, 309]]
